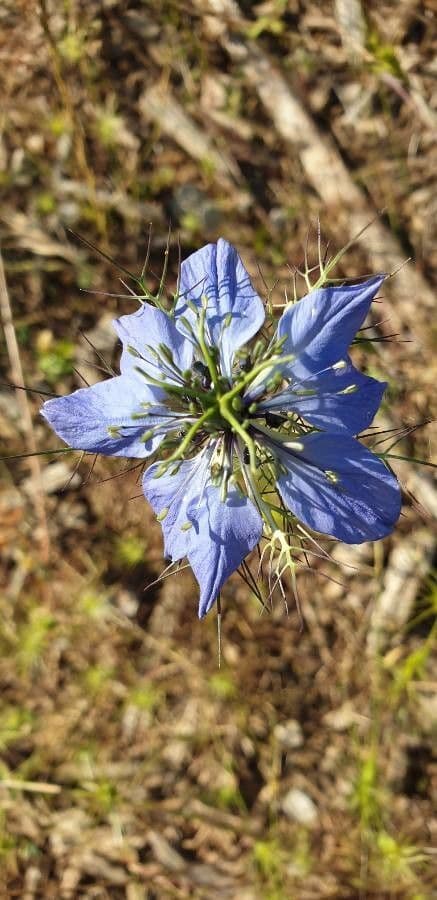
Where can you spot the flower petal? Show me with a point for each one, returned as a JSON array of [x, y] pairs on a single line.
[[338, 487], [169, 496], [224, 533], [339, 400], [320, 328], [82, 419], [150, 327], [235, 312]]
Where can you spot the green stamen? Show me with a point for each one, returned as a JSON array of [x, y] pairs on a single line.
[[205, 349]]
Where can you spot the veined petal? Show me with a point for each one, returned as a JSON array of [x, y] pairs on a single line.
[[338, 487], [170, 495], [338, 400], [84, 418], [235, 312], [150, 327], [320, 328], [224, 533], [214, 534]]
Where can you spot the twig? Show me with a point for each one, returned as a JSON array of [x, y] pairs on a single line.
[[23, 402], [33, 787]]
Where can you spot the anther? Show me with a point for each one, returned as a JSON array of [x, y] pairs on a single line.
[[274, 420], [166, 353], [351, 389]]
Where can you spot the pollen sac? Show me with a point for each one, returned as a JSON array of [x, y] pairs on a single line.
[[274, 382], [244, 362], [202, 371], [166, 353], [274, 420], [351, 389]]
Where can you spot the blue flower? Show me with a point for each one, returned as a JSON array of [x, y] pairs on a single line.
[[224, 419]]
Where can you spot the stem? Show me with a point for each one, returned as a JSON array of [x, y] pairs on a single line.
[[411, 459], [205, 349]]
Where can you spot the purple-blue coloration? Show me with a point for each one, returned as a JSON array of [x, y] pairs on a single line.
[[234, 311], [292, 412], [215, 536], [336, 486]]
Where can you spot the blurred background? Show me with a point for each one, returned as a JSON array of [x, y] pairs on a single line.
[[131, 766]]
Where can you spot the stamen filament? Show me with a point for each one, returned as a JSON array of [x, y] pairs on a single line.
[[185, 443]]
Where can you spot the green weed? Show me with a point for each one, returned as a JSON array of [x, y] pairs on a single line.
[[145, 697], [33, 637], [222, 686], [130, 550], [56, 360], [270, 859], [15, 722], [96, 678]]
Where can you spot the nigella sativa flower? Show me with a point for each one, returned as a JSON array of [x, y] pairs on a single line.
[[246, 432]]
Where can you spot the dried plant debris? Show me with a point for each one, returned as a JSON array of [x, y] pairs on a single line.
[[131, 765]]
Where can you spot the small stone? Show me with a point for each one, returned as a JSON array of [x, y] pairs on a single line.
[[289, 734], [298, 805], [353, 558], [344, 717], [35, 143], [57, 476], [165, 853], [407, 566], [99, 343], [426, 711]]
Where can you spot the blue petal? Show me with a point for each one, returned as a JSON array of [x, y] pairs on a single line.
[[235, 312], [362, 505], [82, 419], [225, 532], [169, 496], [149, 327], [222, 533], [320, 328], [339, 400]]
